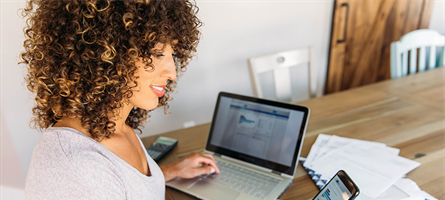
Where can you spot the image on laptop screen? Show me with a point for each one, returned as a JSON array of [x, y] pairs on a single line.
[[262, 131]]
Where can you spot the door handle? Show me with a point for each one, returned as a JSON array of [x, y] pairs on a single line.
[[346, 22]]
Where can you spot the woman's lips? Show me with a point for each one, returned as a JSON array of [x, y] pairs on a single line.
[[158, 90]]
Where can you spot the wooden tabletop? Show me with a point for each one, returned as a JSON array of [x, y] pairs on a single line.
[[406, 113]]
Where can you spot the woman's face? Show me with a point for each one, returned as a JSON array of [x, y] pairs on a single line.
[[151, 83]]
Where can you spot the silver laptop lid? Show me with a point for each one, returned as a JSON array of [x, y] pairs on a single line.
[[261, 132]]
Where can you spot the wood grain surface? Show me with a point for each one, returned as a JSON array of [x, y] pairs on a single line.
[[406, 113], [371, 26]]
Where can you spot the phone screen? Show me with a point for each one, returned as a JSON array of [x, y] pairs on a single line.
[[338, 188]]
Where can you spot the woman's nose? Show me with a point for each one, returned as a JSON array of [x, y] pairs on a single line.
[[170, 69]]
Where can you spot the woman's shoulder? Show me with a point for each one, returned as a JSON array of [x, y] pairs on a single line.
[[67, 145], [66, 141], [52, 134], [65, 160], [67, 148]]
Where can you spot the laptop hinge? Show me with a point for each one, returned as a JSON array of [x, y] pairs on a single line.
[[275, 172], [217, 154]]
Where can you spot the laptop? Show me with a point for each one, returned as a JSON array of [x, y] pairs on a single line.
[[256, 144]]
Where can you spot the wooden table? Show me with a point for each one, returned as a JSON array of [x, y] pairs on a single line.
[[406, 113]]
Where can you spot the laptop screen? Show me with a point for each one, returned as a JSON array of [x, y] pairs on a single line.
[[258, 131]]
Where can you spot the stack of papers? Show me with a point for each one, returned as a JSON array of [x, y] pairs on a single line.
[[377, 169]]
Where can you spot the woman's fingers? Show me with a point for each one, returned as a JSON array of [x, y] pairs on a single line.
[[191, 166], [204, 170], [207, 160]]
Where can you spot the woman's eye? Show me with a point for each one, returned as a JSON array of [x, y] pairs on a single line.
[[159, 55], [174, 54]]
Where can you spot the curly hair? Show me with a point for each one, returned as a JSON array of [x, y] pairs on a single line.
[[80, 56]]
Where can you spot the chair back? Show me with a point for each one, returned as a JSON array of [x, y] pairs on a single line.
[[423, 39], [293, 75]]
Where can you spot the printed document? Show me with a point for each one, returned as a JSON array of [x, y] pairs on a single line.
[[373, 167]]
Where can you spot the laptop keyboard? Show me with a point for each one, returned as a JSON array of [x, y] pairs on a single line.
[[244, 180]]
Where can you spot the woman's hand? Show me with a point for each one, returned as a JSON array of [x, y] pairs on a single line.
[[191, 166]]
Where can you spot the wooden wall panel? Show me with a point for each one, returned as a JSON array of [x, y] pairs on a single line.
[[337, 48], [372, 25], [425, 14], [413, 16], [362, 18], [365, 71]]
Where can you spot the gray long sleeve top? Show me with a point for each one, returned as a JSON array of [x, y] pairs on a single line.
[[67, 164]]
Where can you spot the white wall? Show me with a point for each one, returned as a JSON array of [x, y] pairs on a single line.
[[437, 21], [15, 101], [233, 32]]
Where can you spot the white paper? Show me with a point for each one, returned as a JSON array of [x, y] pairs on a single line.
[[411, 188], [337, 142], [392, 193], [403, 189], [326, 143], [322, 140], [371, 167]]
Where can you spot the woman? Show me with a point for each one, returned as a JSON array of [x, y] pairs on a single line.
[[97, 69]]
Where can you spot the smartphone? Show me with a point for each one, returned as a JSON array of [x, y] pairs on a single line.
[[340, 187]]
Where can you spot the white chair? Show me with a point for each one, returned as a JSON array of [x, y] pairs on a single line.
[[288, 76], [410, 42]]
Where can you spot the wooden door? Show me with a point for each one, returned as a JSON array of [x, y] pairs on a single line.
[[362, 32]]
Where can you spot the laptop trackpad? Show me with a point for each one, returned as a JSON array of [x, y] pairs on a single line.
[[213, 190]]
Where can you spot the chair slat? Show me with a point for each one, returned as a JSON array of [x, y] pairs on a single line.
[[396, 59], [422, 54], [254, 79], [442, 58], [405, 63], [413, 61], [432, 63], [283, 89]]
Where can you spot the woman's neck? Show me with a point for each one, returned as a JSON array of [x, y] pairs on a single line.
[[124, 112], [120, 126]]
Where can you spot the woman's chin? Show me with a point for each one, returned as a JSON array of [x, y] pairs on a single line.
[[149, 105]]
